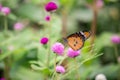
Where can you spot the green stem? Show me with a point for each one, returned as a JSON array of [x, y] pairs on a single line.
[[93, 25], [116, 53], [78, 75], [49, 50], [116, 56], [5, 24], [7, 60], [55, 67], [7, 68]]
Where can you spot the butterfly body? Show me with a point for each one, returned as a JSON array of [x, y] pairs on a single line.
[[76, 40]]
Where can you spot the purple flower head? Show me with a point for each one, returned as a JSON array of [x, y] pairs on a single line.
[[5, 10], [51, 6], [99, 3], [58, 48], [18, 26], [115, 39], [2, 78], [71, 53], [47, 18], [44, 40], [60, 69], [0, 7]]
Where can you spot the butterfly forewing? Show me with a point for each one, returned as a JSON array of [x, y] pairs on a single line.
[[87, 34], [75, 41]]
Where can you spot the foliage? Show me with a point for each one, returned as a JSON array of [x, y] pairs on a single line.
[[28, 57]]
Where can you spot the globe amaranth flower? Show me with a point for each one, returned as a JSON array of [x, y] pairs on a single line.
[[72, 54], [44, 40], [58, 48], [2, 78], [115, 39], [51, 6], [47, 18], [5, 10], [100, 77], [99, 4], [18, 26], [60, 69]]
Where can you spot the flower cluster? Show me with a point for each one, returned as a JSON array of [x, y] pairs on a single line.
[[18, 26], [5, 10], [44, 40], [50, 7], [99, 3], [47, 18], [60, 69], [58, 48], [71, 53], [115, 39], [2, 78]]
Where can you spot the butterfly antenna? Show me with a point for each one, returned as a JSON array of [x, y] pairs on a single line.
[[65, 40]]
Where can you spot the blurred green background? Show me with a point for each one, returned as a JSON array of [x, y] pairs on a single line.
[[23, 47]]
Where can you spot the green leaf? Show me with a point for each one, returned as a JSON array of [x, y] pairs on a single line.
[[31, 12], [103, 40], [82, 14]]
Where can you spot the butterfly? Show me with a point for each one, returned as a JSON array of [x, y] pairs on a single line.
[[76, 40]]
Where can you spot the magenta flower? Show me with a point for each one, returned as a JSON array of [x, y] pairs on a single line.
[[5, 10], [58, 48], [71, 53], [44, 40], [51, 6], [18, 26], [0, 7], [115, 39], [60, 69], [2, 78], [99, 3], [47, 18]]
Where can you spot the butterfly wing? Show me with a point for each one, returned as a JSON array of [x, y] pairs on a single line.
[[87, 34], [75, 41]]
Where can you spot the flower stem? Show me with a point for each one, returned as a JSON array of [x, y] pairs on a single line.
[[55, 67], [116, 53], [5, 25], [93, 25], [64, 22], [49, 50], [78, 75], [7, 68], [7, 60]]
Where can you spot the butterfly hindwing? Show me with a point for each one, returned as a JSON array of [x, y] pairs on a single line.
[[75, 41]]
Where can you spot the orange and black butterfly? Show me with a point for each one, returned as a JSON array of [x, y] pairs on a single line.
[[76, 40]]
